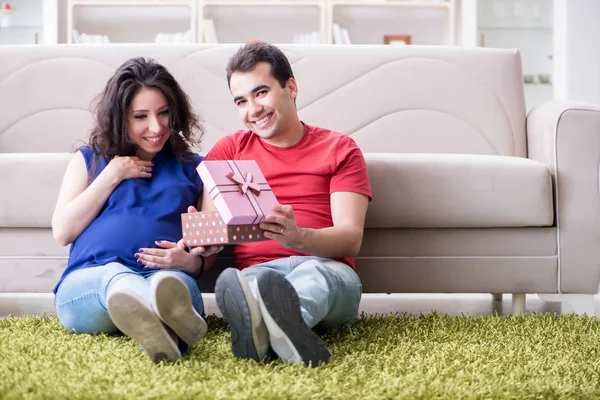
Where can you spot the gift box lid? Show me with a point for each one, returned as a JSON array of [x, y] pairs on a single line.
[[239, 190]]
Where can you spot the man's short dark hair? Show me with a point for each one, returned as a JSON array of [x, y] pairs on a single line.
[[246, 58]]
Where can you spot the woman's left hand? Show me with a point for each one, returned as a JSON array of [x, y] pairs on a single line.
[[167, 256]]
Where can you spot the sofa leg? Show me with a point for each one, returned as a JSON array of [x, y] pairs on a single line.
[[518, 303], [580, 303], [496, 296]]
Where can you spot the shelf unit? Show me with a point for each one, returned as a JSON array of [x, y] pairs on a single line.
[[277, 21], [33, 22], [392, 17], [168, 14], [274, 21]]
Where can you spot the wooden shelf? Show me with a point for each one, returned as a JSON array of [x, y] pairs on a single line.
[[258, 3], [131, 3], [394, 4], [220, 11]]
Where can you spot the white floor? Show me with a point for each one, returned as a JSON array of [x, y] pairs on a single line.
[[453, 304]]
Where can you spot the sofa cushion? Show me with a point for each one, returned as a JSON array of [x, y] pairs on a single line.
[[30, 184], [458, 191], [409, 190]]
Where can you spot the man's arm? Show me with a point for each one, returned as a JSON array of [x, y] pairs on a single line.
[[343, 239]]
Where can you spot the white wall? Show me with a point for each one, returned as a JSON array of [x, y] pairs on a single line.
[[576, 50]]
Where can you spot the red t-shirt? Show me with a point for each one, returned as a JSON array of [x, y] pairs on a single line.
[[303, 176]]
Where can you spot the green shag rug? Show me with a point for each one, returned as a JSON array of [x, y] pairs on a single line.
[[382, 357]]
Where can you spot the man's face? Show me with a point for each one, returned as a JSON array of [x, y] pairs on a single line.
[[264, 106]]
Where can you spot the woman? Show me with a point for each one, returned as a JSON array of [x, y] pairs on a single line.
[[120, 193]]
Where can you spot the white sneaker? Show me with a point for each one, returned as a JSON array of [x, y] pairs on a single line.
[[135, 318], [249, 335], [172, 302]]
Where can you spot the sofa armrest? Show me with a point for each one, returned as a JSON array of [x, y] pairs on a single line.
[[565, 136]]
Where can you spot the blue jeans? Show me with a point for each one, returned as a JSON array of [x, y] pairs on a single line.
[[329, 290], [80, 301]]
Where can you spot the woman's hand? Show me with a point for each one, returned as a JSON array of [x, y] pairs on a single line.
[[168, 256], [129, 167]]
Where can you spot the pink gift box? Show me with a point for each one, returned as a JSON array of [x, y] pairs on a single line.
[[243, 199]]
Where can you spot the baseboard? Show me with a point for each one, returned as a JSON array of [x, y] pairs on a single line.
[[20, 304]]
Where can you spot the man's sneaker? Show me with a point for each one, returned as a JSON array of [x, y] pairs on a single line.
[[249, 336], [135, 318], [289, 335], [172, 302]]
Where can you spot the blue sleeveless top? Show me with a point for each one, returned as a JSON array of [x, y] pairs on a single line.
[[137, 213]]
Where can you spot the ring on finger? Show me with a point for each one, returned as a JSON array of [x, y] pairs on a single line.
[[143, 168]]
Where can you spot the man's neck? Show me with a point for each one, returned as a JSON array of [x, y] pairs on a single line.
[[289, 136]]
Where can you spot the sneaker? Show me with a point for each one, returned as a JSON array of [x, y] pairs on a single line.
[[135, 318], [289, 335], [249, 336], [172, 302]]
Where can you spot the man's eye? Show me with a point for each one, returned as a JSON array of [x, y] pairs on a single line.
[[262, 92], [240, 103]]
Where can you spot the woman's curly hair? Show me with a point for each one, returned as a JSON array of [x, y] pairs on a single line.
[[110, 135]]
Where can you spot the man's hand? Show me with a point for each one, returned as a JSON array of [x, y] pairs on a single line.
[[282, 227]]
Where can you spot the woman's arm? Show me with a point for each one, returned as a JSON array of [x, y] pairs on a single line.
[[78, 204]]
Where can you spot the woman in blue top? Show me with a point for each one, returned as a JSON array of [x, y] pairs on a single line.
[[121, 193]]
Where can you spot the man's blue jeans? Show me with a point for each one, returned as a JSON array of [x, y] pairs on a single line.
[[80, 301], [329, 291]]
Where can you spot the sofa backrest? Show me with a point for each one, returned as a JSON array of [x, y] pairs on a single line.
[[389, 98]]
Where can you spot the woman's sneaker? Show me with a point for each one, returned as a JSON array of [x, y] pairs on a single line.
[[289, 335], [135, 318], [172, 302], [249, 336]]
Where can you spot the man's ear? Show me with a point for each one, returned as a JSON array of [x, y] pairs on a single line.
[[292, 87]]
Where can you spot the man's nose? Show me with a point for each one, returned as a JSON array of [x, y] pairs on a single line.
[[255, 108]]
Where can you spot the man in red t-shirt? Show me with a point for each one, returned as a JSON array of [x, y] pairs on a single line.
[[304, 276]]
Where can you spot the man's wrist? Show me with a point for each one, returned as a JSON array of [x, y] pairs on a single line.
[[300, 243]]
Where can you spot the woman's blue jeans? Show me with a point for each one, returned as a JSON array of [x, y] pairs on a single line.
[[80, 301]]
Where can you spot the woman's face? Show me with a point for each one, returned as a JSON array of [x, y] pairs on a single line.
[[149, 122]]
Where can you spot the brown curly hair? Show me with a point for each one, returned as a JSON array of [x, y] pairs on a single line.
[[110, 135]]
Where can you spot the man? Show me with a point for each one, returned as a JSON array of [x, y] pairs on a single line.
[[304, 276]]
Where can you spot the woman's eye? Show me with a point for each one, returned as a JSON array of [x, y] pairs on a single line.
[[141, 116], [165, 112]]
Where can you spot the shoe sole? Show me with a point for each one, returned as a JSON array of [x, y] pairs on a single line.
[[289, 335], [249, 337], [172, 303], [135, 318]]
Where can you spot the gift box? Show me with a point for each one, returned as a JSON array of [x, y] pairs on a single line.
[[242, 198]]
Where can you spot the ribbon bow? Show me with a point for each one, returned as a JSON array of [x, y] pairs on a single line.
[[244, 184]]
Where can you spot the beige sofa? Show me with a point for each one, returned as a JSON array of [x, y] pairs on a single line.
[[470, 196]]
